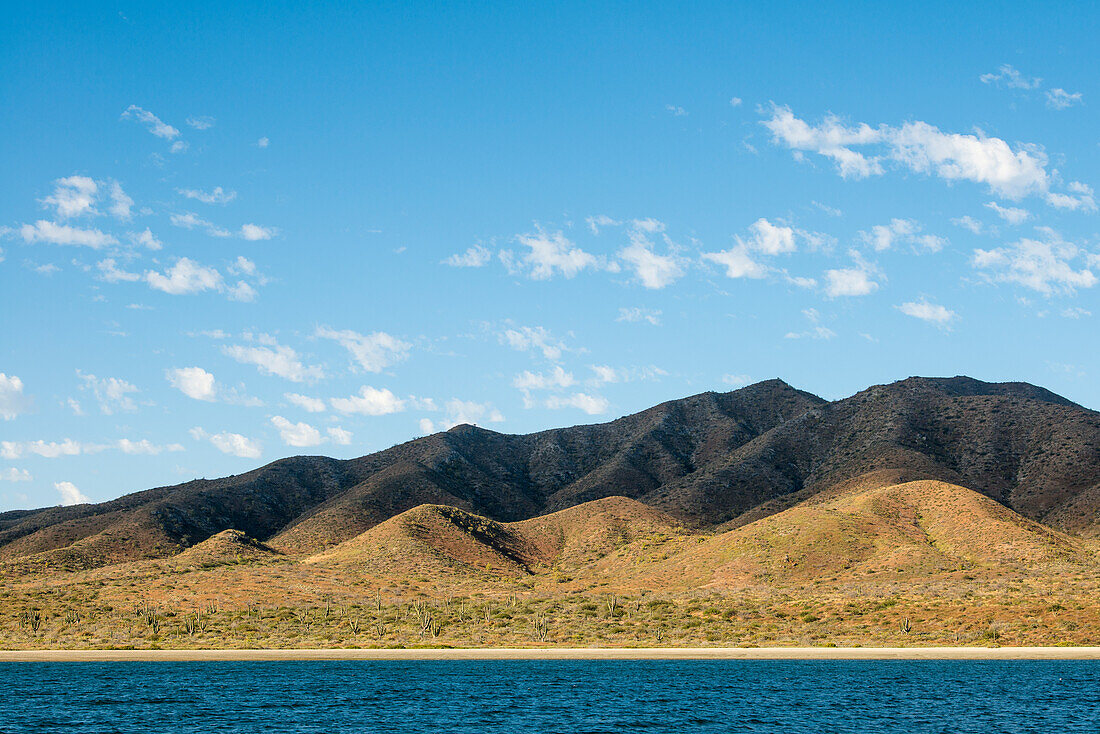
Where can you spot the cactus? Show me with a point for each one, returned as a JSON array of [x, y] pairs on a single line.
[[906, 626]]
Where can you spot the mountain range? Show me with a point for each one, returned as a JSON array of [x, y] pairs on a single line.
[[1013, 457]]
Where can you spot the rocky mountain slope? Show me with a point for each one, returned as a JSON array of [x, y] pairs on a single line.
[[710, 461]]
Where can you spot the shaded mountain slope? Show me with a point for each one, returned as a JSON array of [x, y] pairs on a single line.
[[710, 460]]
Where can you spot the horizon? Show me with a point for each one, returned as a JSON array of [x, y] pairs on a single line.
[[228, 235]]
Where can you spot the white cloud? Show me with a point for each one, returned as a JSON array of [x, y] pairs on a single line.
[[190, 220], [185, 277], [885, 236], [927, 311], [426, 426], [145, 447], [111, 273], [15, 475], [12, 400], [180, 146], [373, 352], [635, 315], [474, 257], [275, 359], [735, 101], [112, 394], [605, 374], [306, 403], [590, 404], [1075, 312], [1045, 265], [1008, 76], [1083, 200], [654, 271], [194, 382], [849, 282], [736, 380], [201, 122], [917, 146], [254, 232], [73, 196], [300, 435], [549, 253], [217, 196], [1012, 215], [473, 413], [339, 436], [120, 202], [676, 111], [145, 239], [151, 122], [63, 234], [1060, 99], [46, 449], [968, 222], [770, 239], [557, 378], [263, 143], [369, 401], [243, 266], [738, 262], [70, 495], [600, 220], [527, 338], [242, 292], [816, 332], [230, 443]]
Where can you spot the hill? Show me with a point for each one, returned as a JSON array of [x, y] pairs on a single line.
[[711, 461]]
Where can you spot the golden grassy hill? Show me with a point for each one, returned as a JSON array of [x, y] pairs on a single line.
[[864, 528], [436, 539]]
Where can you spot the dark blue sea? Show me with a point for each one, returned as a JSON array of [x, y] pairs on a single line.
[[552, 696]]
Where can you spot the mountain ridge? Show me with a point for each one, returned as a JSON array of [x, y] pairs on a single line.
[[711, 460]]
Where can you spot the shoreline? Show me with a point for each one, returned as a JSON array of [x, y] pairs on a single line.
[[561, 653]]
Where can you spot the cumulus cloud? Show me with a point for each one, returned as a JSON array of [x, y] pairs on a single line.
[[216, 196], [13, 402], [1007, 76], [855, 281], [120, 202], [886, 236], [300, 435], [548, 253], [534, 338], [373, 352], [1060, 99], [151, 122], [12, 450], [603, 374], [765, 239], [188, 220], [145, 239], [230, 443], [927, 311], [73, 196], [339, 436], [1012, 215], [12, 474], [110, 272], [112, 394], [306, 403], [254, 232], [63, 234], [194, 382], [369, 401], [1080, 198], [459, 412], [201, 122], [651, 269], [185, 277], [917, 146], [70, 495], [145, 447], [738, 262], [1049, 265], [600, 220], [736, 380], [590, 404], [474, 257], [275, 359], [636, 315], [555, 379]]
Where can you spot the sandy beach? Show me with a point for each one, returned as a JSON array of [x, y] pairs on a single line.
[[562, 653]]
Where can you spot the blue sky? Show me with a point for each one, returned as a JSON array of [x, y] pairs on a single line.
[[235, 234]]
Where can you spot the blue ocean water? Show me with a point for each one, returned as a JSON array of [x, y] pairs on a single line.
[[553, 696]]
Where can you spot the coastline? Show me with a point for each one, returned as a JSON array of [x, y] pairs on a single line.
[[562, 653]]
